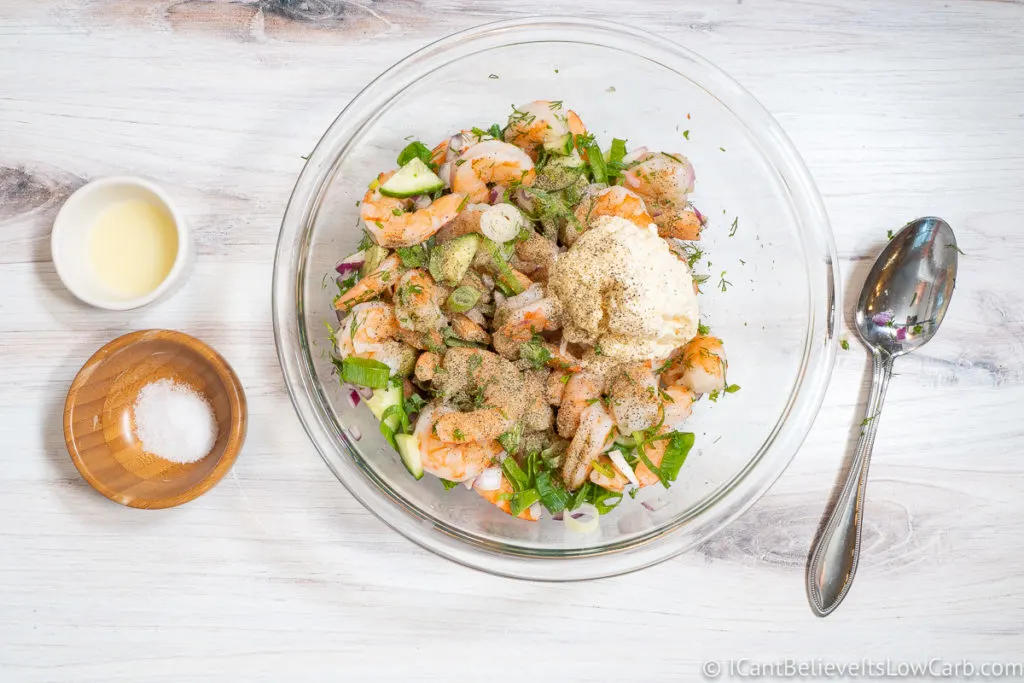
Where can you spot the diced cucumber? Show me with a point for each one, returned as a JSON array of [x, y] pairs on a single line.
[[412, 179], [560, 145], [409, 449], [383, 399], [450, 260], [374, 255]]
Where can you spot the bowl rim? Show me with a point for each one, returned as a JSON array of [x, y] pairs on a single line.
[[668, 539], [236, 430], [64, 218]]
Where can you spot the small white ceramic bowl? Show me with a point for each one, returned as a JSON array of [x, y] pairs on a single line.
[[69, 240]]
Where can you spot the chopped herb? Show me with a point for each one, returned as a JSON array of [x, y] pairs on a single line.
[[304, 157], [693, 253], [510, 440], [721, 149], [844, 344], [565, 378], [597, 165], [553, 495], [414, 150], [889, 234], [448, 485], [610, 88], [597, 350], [414, 403], [604, 469], [867, 420], [735, 224], [958, 249], [686, 134], [555, 104], [535, 352], [742, 262], [458, 435], [732, 388], [462, 204], [917, 329], [556, 70], [515, 474], [679, 445], [713, 396], [474, 362], [522, 500], [723, 283], [413, 257], [493, 77]]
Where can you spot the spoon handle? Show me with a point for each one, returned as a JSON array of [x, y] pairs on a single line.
[[834, 560]]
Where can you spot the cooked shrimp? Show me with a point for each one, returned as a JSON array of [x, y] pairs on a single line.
[[467, 222], [424, 341], [541, 122], [468, 330], [635, 404], [449, 149], [699, 366], [664, 181], [582, 390], [500, 496], [529, 313], [375, 284], [493, 388], [613, 201], [490, 162], [587, 444], [655, 452], [454, 462], [555, 385], [677, 404], [395, 223], [426, 366], [418, 302], [369, 331], [600, 475], [535, 256], [538, 416]]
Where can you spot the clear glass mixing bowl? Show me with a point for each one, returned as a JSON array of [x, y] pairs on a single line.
[[776, 316]]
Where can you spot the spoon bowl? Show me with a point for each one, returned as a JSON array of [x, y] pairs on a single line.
[[907, 292]]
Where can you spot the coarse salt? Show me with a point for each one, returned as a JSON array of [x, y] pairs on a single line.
[[174, 422]]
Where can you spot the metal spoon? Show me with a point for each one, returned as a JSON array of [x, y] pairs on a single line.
[[901, 305]]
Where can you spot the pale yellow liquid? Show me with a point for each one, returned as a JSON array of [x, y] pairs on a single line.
[[132, 246]]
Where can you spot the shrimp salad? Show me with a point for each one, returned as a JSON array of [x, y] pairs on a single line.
[[522, 308]]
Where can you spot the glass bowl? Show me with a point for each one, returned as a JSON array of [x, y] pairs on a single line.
[[767, 238]]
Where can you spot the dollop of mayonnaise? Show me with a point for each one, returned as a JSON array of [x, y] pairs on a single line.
[[623, 290]]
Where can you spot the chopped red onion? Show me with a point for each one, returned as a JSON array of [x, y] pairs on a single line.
[[901, 334], [353, 398], [355, 433], [487, 280], [421, 201], [495, 194], [700, 216], [883, 318], [445, 173], [656, 504], [351, 263]]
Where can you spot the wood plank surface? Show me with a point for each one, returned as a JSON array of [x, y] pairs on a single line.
[[899, 109]]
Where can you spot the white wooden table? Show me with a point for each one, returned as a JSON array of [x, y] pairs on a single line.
[[900, 110]]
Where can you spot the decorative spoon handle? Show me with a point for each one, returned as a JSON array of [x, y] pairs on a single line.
[[834, 560]]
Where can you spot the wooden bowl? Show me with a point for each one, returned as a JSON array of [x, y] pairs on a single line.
[[99, 422]]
